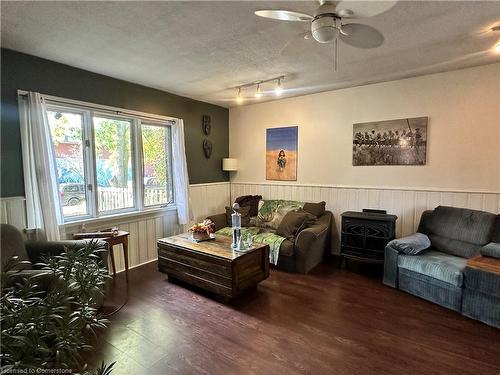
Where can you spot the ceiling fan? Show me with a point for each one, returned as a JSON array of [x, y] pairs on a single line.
[[327, 22]]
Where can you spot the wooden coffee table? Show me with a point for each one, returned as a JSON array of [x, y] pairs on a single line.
[[212, 265]]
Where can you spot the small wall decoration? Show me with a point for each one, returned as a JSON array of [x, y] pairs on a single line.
[[206, 124], [281, 153], [391, 142], [207, 148]]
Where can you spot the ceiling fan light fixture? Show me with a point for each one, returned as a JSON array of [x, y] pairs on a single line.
[[324, 29], [497, 46]]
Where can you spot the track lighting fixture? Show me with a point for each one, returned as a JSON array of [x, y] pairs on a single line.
[[278, 89]]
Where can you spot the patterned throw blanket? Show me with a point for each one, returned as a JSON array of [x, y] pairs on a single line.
[[271, 212], [259, 235]]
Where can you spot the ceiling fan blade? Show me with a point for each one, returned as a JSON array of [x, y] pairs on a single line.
[[297, 44], [362, 9], [283, 15], [361, 36]]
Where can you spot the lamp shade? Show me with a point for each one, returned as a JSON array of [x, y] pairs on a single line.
[[229, 164]]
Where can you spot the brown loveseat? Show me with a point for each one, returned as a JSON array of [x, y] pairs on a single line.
[[310, 245]]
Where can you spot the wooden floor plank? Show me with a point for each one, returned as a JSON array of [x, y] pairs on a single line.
[[330, 321]]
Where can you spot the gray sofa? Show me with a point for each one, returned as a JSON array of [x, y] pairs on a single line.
[[440, 273]]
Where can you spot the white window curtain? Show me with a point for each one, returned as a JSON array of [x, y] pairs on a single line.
[[180, 174], [40, 176]]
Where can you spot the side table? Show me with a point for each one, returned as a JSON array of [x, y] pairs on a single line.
[[120, 238]]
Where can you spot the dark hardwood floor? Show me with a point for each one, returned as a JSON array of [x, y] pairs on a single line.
[[329, 322]]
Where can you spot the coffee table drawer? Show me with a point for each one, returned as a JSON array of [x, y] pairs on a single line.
[[196, 260]]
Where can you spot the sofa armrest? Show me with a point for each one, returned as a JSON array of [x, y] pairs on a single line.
[[391, 266], [41, 278], [491, 250], [38, 249], [411, 245], [219, 220], [310, 246], [306, 237]]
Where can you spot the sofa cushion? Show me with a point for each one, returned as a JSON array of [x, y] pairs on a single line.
[[454, 247], [245, 217], [317, 209], [461, 224], [251, 201], [293, 222], [440, 266], [272, 212]]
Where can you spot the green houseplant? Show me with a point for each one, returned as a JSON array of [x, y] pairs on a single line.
[[48, 316]]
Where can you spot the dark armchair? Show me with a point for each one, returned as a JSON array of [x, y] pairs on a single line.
[[12, 243]]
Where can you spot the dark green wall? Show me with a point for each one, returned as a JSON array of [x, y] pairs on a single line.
[[26, 72]]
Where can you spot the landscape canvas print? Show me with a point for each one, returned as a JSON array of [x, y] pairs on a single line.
[[391, 142], [281, 153]]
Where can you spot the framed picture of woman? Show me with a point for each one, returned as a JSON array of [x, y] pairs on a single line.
[[281, 153]]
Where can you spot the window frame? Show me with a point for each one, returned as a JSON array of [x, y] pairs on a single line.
[[170, 187], [89, 112], [88, 161], [133, 156]]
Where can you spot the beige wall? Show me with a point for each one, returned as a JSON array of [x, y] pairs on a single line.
[[463, 151]]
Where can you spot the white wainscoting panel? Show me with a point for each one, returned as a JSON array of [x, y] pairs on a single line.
[[146, 229], [209, 199], [407, 204], [13, 211]]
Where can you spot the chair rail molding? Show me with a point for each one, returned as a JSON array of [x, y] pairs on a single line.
[[405, 202], [145, 227]]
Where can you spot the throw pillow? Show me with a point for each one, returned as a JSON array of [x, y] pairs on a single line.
[[411, 245], [317, 209], [293, 222], [245, 217], [251, 201]]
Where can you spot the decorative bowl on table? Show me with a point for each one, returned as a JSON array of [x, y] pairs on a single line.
[[203, 231]]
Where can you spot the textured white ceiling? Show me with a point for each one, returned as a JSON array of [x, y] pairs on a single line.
[[204, 49]]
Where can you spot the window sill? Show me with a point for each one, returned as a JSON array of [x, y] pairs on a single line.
[[121, 217]]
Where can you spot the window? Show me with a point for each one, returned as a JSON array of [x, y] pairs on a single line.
[[156, 150], [113, 149], [67, 136], [108, 162]]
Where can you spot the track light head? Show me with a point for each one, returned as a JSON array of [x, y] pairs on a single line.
[[258, 92], [278, 90], [239, 97]]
